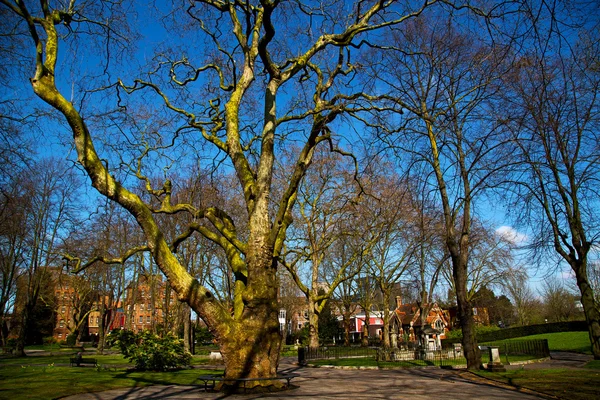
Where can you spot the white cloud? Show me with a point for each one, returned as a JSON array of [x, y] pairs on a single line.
[[511, 234]]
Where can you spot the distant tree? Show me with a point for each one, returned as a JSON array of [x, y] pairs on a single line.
[[329, 326], [560, 304], [52, 189], [328, 211], [527, 307], [551, 112], [442, 76], [500, 309]]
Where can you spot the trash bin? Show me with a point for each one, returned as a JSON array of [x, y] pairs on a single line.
[[301, 355]]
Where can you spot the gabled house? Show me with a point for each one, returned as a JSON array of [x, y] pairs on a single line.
[[358, 322], [410, 329]]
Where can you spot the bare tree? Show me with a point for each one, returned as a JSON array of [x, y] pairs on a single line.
[[442, 78], [14, 206], [522, 296], [51, 188], [554, 121], [325, 216], [394, 250], [560, 304]]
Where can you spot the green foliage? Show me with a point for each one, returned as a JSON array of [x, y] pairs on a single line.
[[71, 339], [329, 325], [49, 340], [150, 352], [301, 335], [203, 336], [500, 309], [480, 330]]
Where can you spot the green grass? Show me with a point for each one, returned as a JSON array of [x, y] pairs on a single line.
[[43, 377], [594, 364], [578, 342], [114, 359], [44, 382], [562, 383]]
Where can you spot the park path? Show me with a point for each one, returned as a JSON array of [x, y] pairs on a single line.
[[333, 383]]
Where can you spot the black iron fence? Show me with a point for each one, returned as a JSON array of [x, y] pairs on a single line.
[[413, 356], [520, 350], [335, 352]]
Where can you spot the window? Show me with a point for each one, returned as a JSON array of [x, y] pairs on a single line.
[[141, 319], [439, 325], [63, 309], [282, 314], [299, 325], [62, 323], [148, 319], [59, 335], [305, 313], [141, 307], [474, 311]]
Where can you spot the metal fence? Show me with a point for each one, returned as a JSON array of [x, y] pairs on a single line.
[[335, 352], [517, 350], [419, 357]]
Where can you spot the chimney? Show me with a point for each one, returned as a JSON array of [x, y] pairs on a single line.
[[398, 301]]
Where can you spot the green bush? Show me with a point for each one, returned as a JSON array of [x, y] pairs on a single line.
[[203, 336], [150, 352], [480, 331], [49, 340], [71, 339]]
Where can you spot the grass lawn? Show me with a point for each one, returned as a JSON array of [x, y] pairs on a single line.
[[44, 382], [562, 383], [41, 377], [578, 342]]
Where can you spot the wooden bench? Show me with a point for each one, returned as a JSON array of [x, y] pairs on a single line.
[[210, 381], [80, 361]]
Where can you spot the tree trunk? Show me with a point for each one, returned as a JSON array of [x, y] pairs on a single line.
[[590, 307], [187, 328], [346, 331], [22, 332], [386, 320], [365, 330], [251, 342], [313, 329], [465, 314]]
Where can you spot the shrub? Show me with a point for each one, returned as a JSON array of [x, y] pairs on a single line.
[[71, 339], [203, 336], [150, 352], [480, 331], [49, 340]]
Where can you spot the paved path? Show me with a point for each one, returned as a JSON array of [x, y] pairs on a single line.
[[329, 383]]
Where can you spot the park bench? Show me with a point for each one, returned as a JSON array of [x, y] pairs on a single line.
[[211, 380], [81, 361]]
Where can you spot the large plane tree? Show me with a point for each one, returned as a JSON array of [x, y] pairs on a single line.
[[226, 84]]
